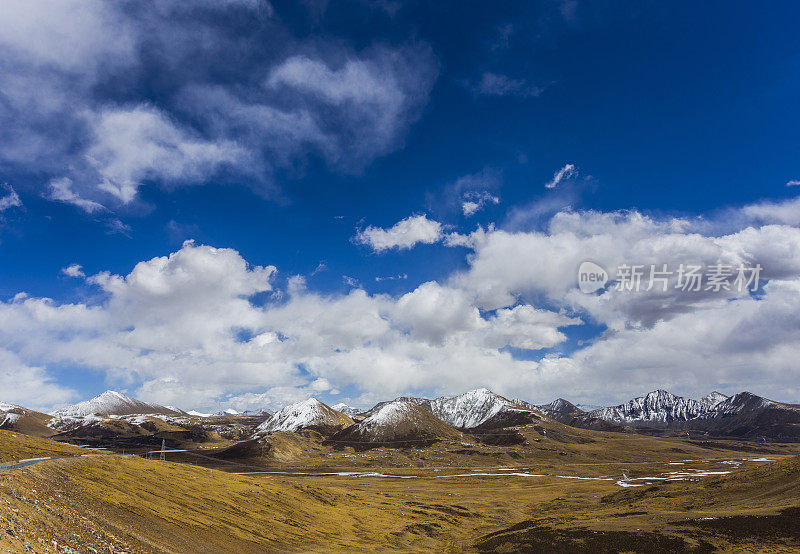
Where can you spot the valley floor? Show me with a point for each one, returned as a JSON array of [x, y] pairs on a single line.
[[726, 500]]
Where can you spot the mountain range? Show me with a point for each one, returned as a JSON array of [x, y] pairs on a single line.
[[741, 416], [659, 408]]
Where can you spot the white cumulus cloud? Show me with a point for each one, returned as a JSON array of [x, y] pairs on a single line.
[[73, 270], [404, 234]]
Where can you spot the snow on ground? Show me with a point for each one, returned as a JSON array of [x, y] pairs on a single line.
[[65, 422], [684, 475], [8, 419]]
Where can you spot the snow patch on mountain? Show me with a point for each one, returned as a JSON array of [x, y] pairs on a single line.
[[69, 423], [8, 418], [522, 402], [711, 400]]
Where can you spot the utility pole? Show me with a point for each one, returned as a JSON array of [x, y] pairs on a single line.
[[163, 448]]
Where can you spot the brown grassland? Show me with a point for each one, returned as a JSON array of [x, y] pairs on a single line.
[[117, 503]]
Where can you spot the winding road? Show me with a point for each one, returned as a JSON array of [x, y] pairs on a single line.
[[24, 463], [31, 461]]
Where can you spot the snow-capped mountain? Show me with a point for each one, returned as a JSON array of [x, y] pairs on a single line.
[[743, 415], [658, 407], [112, 403], [559, 406], [749, 416], [560, 410], [743, 401], [227, 412], [469, 409], [256, 413], [6, 407], [390, 414], [392, 423], [10, 414], [345, 409], [29, 422], [308, 414]]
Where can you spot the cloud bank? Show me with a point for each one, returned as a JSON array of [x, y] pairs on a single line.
[[203, 327]]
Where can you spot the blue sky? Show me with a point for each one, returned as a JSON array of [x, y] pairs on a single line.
[[284, 132]]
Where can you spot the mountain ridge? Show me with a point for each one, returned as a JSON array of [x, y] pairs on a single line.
[[743, 415]]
